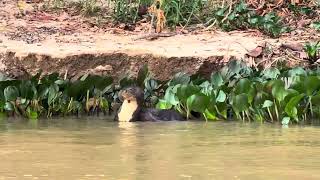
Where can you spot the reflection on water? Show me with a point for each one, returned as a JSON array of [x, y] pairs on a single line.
[[98, 149]]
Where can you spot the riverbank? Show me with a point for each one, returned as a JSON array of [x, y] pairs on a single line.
[[71, 45]]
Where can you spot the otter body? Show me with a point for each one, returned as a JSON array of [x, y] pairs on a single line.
[[132, 109]]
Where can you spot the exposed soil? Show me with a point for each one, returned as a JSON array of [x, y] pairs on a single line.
[[64, 43]]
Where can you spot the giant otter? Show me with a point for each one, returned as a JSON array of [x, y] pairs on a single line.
[[132, 108]]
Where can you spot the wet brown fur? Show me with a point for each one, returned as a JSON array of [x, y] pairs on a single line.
[[132, 108]]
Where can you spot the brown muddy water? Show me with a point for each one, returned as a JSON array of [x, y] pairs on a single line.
[[99, 149]]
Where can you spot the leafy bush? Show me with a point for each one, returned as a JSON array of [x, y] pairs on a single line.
[[234, 92], [241, 17], [182, 12], [239, 92], [312, 49], [316, 25], [87, 7]]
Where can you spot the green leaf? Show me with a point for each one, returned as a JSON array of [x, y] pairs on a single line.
[[32, 114], [316, 25], [291, 108], [206, 88], [271, 73], [221, 96], [210, 115], [279, 92], [185, 91], [151, 85], [240, 103], [267, 103], [126, 81], [142, 75], [216, 79], [179, 78], [285, 121], [9, 106], [170, 97], [316, 100], [95, 81], [162, 104], [311, 83], [27, 90], [43, 92], [297, 71], [243, 86], [11, 93], [60, 82], [222, 109], [234, 67], [104, 104], [220, 12], [52, 93], [198, 102]]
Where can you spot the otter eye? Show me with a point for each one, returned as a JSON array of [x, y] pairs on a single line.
[[128, 101]]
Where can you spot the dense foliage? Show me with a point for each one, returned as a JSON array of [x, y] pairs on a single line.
[[240, 92], [52, 95], [234, 92], [228, 15], [242, 17]]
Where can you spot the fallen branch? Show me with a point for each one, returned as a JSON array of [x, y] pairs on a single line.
[[154, 36]]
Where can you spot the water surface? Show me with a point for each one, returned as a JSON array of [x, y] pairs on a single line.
[[98, 149]]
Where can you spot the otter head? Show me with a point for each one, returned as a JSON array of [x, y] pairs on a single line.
[[132, 93], [132, 99]]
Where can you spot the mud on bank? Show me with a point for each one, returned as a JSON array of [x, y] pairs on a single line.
[[116, 65]]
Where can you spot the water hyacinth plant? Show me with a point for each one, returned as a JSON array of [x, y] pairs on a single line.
[[237, 91], [234, 92]]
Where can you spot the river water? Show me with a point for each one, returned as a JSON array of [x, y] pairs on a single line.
[[100, 149]]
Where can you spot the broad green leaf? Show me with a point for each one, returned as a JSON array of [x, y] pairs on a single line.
[[151, 85], [198, 102], [234, 68], [185, 91], [162, 104], [221, 97], [11, 93], [311, 84], [297, 71], [291, 108], [279, 92], [179, 78], [271, 73], [210, 115], [222, 109], [206, 88], [285, 121], [216, 79], [126, 81], [60, 82], [170, 97], [240, 103], [267, 103], [27, 90], [243, 86], [9, 107]]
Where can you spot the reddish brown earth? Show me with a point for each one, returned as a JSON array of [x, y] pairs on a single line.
[[63, 43]]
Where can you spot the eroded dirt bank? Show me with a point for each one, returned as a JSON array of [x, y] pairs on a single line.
[[117, 55]]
